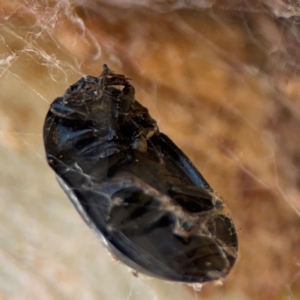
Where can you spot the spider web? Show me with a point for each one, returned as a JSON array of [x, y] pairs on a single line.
[[222, 80]]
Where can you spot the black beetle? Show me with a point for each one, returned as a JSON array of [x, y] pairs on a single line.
[[133, 186]]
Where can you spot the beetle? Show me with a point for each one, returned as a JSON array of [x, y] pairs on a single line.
[[134, 187]]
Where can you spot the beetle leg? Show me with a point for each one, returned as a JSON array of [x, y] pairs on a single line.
[[127, 98], [128, 91], [108, 78]]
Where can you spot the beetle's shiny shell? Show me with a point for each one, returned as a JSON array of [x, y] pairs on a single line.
[[134, 187]]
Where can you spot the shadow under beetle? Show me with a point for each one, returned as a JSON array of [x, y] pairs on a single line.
[[133, 186]]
